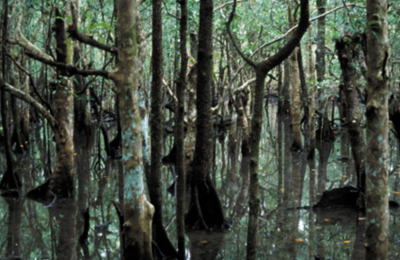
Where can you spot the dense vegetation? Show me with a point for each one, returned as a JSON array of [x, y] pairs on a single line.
[[243, 102]]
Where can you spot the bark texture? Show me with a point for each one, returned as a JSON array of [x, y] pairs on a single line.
[[60, 184], [347, 49], [377, 189], [179, 133], [295, 109], [320, 53], [138, 212], [205, 207], [156, 118], [261, 69]]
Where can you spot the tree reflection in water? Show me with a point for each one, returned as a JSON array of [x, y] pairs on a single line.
[[335, 233]]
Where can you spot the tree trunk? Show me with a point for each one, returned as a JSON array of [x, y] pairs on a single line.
[[156, 130], [138, 212], [296, 103], [179, 133], [205, 206], [377, 189], [320, 52], [60, 184], [346, 51], [299, 170], [255, 137], [287, 158], [311, 101], [10, 179], [242, 124], [280, 119]]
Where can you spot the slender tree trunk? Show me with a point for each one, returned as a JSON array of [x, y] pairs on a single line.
[[287, 173], [311, 222], [179, 134], [295, 106], [82, 109], [9, 176], [377, 189], [84, 149], [243, 125], [255, 136], [15, 245], [346, 50], [280, 119], [320, 53], [156, 118], [311, 101], [299, 170]]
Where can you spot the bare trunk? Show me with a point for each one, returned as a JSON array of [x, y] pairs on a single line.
[[138, 212], [377, 189], [320, 52], [179, 133], [205, 206], [156, 122], [346, 51], [296, 103], [255, 136]]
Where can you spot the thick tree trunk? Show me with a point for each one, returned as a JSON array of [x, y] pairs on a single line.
[[138, 212], [205, 206], [377, 189]]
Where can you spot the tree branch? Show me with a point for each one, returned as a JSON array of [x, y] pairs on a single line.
[[92, 80], [30, 80], [289, 31], [27, 98], [228, 28], [223, 5], [76, 35], [287, 49], [245, 85], [73, 33], [27, 45], [294, 27], [70, 70]]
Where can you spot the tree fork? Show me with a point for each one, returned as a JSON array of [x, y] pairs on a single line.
[[262, 70]]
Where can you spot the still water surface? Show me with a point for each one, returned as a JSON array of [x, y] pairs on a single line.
[[33, 230]]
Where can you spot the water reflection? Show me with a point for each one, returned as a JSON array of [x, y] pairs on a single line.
[[87, 226]]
